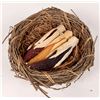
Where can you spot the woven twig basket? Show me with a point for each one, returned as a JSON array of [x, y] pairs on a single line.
[[32, 29]]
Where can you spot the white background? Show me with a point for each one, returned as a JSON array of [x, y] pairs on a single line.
[[86, 86], [0, 50]]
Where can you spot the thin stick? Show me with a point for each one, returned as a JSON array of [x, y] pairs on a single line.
[[90, 38], [6, 38], [40, 82], [49, 77], [74, 13], [44, 92], [8, 34], [95, 39]]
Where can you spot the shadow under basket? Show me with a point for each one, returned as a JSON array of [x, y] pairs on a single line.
[[31, 29]]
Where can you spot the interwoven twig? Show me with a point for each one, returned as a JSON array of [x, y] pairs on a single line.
[[32, 29]]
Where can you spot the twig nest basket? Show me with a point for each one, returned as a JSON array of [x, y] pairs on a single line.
[[26, 33]]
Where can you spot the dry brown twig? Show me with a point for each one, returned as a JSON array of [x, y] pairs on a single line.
[[31, 31]]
